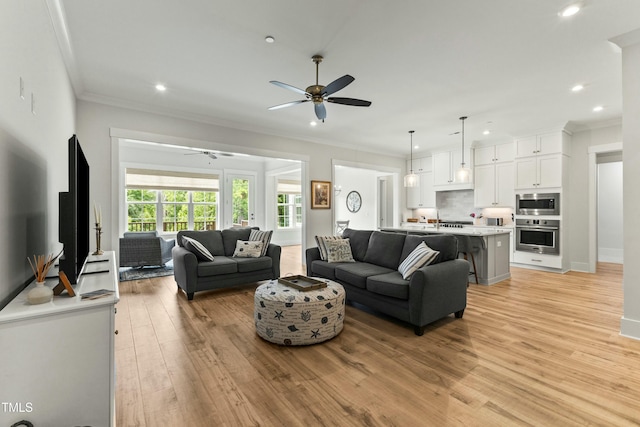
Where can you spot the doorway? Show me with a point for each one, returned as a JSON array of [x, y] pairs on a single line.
[[240, 200], [609, 210], [601, 151]]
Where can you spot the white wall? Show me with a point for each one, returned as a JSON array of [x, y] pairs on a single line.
[[365, 182], [610, 237], [576, 212], [96, 122], [630, 43], [33, 147]]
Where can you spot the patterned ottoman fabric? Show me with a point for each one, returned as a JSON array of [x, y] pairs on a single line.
[[288, 316]]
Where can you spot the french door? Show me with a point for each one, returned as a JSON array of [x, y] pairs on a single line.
[[239, 200]]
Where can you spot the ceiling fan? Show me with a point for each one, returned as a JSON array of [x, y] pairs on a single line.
[[318, 93], [211, 154]]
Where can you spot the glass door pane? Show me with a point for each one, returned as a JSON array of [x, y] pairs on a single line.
[[240, 201]]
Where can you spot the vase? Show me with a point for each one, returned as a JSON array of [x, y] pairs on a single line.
[[40, 294]]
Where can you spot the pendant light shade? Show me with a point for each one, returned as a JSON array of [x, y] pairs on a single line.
[[411, 180], [463, 174]]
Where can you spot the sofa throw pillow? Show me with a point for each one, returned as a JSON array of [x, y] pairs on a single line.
[[247, 249], [322, 245], [197, 248], [261, 236], [339, 251], [422, 255]]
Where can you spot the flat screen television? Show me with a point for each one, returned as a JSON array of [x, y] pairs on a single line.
[[73, 222]]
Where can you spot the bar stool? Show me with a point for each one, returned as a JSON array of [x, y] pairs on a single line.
[[341, 226], [466, 248]]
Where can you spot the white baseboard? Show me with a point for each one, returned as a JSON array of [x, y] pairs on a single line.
[[614, 255], [630, 328], [582, 267]]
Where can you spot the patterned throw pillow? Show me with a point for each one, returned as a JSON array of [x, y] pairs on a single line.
[[248, 249], [197, 248], [339, 251], [422, 255], [321, 241], [261, 236]]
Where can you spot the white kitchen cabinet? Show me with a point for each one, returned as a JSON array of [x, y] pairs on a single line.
[[547, 143], [58, 357], [539, 172], [423, 196], [445, 164], [494, 185], [421, 164], [492, 154]]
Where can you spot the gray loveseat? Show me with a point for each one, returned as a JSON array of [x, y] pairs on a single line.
[[432, 292], [193, 275]]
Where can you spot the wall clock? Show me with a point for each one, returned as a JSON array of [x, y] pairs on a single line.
[[354, 201]]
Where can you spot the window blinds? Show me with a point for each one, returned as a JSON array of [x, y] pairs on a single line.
[[288, 186], [170, 180]]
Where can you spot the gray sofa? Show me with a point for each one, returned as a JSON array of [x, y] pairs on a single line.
[[193, 275], [144, 248], [432, 292]]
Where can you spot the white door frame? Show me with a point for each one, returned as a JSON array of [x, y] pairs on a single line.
[[593, 198], [256, 217]]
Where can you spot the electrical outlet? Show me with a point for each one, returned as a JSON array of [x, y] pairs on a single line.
[[499, 244], [21, 88]]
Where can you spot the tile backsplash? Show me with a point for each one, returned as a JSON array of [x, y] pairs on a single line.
[[456, 205]]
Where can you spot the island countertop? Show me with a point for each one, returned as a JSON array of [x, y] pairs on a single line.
[[465, 231]]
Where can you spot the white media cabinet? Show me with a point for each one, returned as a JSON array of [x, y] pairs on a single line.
[[57, 364]]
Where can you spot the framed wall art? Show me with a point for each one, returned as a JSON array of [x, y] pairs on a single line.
[[320, 195]]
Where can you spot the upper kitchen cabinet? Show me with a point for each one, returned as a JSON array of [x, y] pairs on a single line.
[[494, 185], [541, 161], [420, 165], [547, 143], [445, 164], [423, 196], [492, 154]]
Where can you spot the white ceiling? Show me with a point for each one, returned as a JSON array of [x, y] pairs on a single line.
[[507, 64]]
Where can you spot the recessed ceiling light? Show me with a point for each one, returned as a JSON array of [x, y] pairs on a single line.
[[269, 39], [571, 10], [415, 147], [598, 108], [312, 123], [577, 88], [486, 132], [160, 87]]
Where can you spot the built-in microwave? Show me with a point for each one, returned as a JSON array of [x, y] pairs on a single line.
[[538, 204]]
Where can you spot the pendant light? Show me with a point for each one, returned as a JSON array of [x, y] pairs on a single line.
[[411, 180], [463, 174]]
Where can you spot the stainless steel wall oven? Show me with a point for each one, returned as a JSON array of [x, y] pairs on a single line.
[[540, 236], [538, 204]]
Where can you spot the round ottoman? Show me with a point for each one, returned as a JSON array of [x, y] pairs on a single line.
[[288, 316]]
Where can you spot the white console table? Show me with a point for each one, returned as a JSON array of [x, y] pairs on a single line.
[[57, 364]]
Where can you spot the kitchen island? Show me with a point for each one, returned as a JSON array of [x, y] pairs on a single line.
[[491, 248]]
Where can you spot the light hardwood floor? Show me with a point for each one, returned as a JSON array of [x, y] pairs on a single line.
[[540, 349]]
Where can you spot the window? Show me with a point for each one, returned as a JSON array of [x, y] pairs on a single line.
[[289, 204], [141, 210], [176, 200], [205, 210], [175, 210]]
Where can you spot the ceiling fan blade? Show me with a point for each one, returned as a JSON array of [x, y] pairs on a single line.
[[321, 111], [350, 101], [286, 86], [288, 104], [337, 84]]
